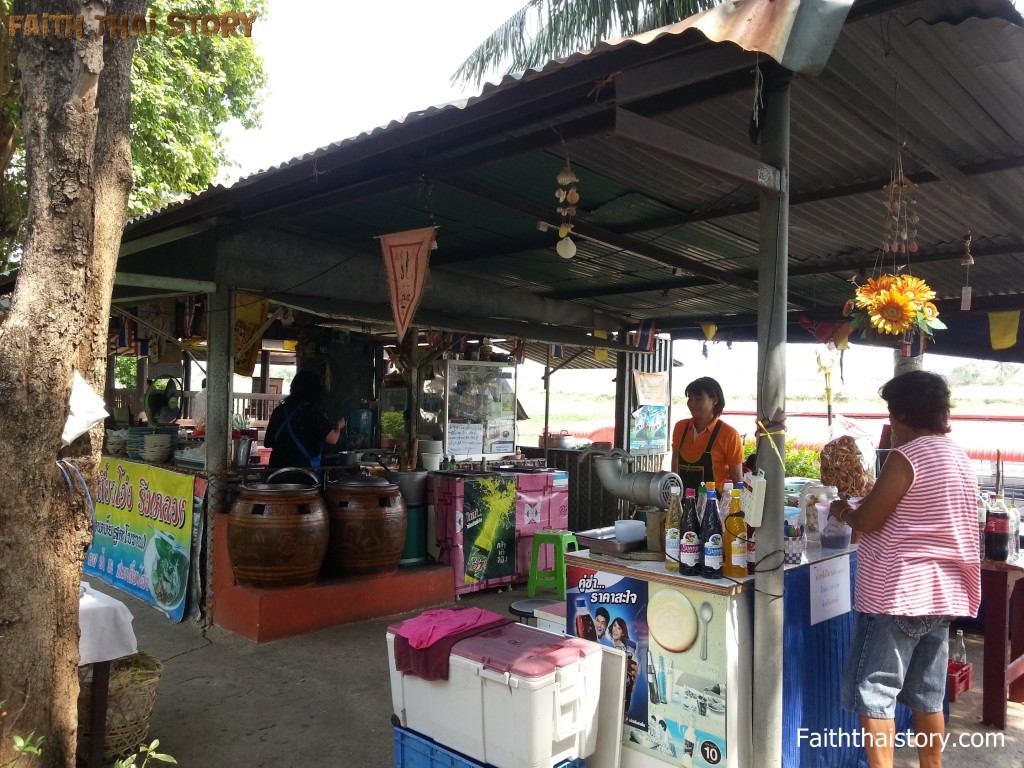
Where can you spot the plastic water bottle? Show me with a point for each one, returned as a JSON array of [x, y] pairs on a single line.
[[958, 649]]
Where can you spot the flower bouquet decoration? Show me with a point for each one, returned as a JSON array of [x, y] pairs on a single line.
[[899, 305]]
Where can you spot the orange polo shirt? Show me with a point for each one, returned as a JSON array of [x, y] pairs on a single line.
[[725, 453]]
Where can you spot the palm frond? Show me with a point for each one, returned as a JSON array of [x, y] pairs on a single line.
[[562, 27]]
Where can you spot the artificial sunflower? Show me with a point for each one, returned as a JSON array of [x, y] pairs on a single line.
[[866, 294], [929, 310], [891, 312], [914, 289]]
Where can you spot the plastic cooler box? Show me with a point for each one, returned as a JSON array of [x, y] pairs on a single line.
[[515, 697]]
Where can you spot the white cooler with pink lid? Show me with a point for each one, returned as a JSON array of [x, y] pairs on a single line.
[[515, 697]]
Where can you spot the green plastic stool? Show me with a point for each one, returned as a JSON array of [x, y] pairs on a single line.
[[561, 541]]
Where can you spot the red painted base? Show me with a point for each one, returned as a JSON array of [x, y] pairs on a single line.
[[270, 614]]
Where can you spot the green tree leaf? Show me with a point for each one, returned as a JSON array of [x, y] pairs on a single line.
[[185, 89], [543, 30]]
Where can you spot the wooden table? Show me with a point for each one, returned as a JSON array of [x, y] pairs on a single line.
[[106, 634], [1004, 638]]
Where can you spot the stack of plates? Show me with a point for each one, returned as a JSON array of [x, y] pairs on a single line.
[[157, 447], [135, 437], [116, 444]]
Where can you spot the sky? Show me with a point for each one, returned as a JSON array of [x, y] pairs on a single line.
[[338, 69]]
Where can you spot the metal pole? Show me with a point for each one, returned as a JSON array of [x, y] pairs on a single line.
[[771, 408]]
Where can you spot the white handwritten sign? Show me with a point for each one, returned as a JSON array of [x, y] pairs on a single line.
[[465, 438], [830, 589]]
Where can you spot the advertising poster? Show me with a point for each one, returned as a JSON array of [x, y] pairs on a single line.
[[612, 610], [142, 533], [489, 527], [648, 429], [676, 691]]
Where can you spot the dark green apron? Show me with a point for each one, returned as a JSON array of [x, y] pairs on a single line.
[[695, 474]]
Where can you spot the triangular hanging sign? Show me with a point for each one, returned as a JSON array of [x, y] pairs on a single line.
[[406, 257]]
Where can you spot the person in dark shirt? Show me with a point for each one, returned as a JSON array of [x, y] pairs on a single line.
[[298, 427]]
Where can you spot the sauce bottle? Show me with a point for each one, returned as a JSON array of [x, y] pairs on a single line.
[[734, 564], [672, 525], [711, 537], [691, 554], [585, 628]]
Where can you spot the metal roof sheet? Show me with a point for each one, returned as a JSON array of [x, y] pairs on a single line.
[[660, 239]]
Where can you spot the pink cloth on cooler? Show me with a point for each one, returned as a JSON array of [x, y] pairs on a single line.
[[431, 626], [438, 631]]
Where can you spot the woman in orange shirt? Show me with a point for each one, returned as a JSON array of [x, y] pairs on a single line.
[[704, 448]]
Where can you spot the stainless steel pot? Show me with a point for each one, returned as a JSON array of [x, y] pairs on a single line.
[[562, 440], [241, 448], [346, 458]]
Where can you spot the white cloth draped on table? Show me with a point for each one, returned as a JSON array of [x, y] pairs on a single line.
[[106, 627]]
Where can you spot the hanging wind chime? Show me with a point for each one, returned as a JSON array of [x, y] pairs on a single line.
[[895, 302], [567, 196]]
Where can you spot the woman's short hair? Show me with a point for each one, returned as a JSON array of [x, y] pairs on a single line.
[[919, 399], [705, 385], [306, 386]]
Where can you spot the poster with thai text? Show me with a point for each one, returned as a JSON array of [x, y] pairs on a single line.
[[489, 527], [675, 640], [142, 533]]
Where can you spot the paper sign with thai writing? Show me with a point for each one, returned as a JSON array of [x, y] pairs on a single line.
[[406, 256], [651, 388], [142, 533], [830, 588]]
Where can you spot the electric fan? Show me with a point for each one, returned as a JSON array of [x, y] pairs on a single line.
[[163, 401]]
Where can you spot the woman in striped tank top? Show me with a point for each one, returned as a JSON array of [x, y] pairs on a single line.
[[917, 568]]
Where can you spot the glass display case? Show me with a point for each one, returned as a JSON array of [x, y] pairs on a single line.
[[471, 407]]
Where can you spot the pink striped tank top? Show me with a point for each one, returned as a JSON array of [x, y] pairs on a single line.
[[924, 560]]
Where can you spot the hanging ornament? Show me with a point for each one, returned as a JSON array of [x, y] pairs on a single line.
[[967, 259], [566, 248], [568, 196]]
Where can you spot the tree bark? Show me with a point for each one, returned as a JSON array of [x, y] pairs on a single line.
[[75, 119]]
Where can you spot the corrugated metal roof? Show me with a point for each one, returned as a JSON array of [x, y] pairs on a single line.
[[660, 239]]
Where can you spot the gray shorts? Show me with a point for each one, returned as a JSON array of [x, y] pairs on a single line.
[[896, 658]]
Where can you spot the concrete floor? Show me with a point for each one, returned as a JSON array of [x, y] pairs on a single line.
[[325, 698]]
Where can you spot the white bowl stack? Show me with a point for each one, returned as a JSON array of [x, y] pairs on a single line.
[[116, 444], [156, 448]]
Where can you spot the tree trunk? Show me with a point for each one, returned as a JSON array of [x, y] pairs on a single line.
[[75, 118]]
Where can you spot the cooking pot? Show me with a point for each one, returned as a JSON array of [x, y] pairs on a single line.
[[342, 458], [563, 440]]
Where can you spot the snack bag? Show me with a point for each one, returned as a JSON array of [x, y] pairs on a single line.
[[848, 460]]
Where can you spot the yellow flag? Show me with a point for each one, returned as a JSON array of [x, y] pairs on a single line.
[[600, 354], [1002, 328], [710, 329]]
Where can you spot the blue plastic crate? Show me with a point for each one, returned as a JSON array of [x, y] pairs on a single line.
[[415, 751]]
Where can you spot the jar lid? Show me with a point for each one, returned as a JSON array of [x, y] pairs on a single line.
[[360, 481]]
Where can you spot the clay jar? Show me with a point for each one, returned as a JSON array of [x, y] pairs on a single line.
[[368, 524], [278, 534]]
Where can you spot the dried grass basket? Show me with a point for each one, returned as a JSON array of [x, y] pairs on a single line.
[[130, 700]]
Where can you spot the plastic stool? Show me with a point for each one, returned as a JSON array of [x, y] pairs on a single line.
[[561, 541]]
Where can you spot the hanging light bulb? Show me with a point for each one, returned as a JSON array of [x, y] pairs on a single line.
[[967, 259], [566, 248]]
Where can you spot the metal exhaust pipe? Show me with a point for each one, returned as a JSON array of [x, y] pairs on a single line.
[[642, 488]]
